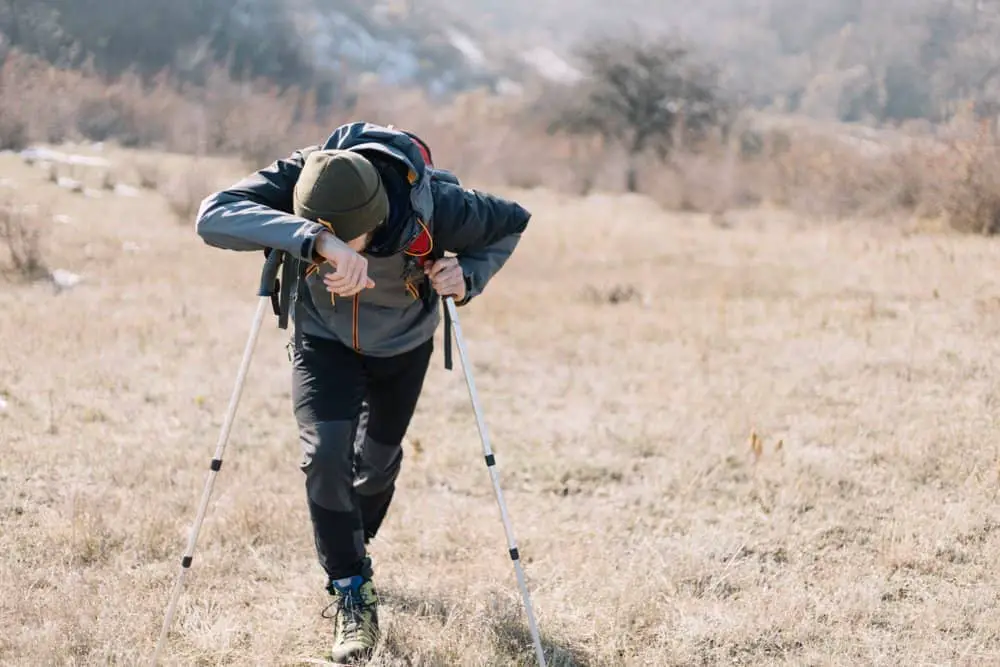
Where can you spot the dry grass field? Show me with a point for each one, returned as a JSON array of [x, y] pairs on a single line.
[[757, 441]]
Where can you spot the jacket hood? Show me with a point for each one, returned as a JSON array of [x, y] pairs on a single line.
[[400, 150]]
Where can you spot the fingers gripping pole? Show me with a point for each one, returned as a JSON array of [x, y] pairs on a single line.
[[491, 465], [214, 468]]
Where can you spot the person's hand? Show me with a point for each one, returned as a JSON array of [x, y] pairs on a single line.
[[447, 277], [351, 274]]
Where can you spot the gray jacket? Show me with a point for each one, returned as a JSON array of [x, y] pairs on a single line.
[[481, 229]]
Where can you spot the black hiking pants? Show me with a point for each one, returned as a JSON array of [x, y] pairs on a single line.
[[349, 485]]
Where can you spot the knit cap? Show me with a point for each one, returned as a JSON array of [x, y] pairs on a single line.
[[341, 188]]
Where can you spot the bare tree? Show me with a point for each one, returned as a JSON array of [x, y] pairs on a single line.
[[646, 97]]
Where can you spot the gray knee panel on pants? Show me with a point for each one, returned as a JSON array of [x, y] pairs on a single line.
[[327, 460], [378, 467]]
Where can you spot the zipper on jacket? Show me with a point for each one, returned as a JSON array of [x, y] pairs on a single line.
[[357, 341]]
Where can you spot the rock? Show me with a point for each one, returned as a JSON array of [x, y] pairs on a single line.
[[30, 156], [123, 190], [65, 280], [3, 403], [70, 184], [62, 219], [43, 155]]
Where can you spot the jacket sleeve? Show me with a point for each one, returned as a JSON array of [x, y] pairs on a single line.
[[481, 229], [256, 212], [481, 265]]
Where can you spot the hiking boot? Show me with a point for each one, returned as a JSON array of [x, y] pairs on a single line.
[[355, 620]]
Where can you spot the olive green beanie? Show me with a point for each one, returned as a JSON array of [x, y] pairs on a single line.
[[342, 188]]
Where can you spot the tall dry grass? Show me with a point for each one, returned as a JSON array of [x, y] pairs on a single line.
[[625, 359], [23, 239], [43, 103], [951, 173]]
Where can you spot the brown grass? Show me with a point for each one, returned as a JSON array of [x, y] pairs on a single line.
[[951, 174], [46, 104], [972, 202], [23, 238], [185, 189], [624, 358]]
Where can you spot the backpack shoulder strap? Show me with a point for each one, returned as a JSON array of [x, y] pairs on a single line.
[[422, 247]]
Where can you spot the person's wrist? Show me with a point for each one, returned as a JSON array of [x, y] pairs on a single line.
[[326, 243], [467, 283]]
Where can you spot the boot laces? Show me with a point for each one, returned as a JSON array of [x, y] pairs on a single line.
[[350, 608]]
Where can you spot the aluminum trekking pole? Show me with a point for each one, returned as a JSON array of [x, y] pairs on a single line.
[[268, 277], [491, 465]]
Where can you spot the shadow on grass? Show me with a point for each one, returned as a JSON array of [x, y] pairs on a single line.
[[505, 623]]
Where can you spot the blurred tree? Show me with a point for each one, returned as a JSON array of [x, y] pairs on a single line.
[[33, 26], [647, 97]]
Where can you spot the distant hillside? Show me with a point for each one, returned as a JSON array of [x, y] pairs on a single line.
[[400, 45], [299, 41], [442, 47], [877, 60], [853, 60]]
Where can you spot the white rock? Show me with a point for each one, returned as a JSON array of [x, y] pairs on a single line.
[[62, 219], [37, 154], [88, 161], [3, 403], [64, 279], [70, 184], [123, 190]]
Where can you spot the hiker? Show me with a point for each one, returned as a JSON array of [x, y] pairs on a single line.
[[364, 222]]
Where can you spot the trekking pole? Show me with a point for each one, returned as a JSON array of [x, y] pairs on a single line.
[[491, 465], [267, 280]]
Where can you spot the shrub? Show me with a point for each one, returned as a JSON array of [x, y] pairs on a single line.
[[22, 234], [971, 200], [185, 190]]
